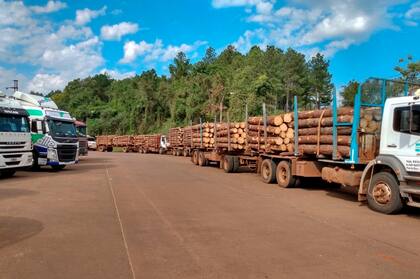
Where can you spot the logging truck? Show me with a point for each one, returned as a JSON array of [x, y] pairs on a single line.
[[372, 146], [179, 141], [104, 143]]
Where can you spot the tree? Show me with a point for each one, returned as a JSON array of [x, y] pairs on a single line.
[[410, 71], [320, 81], [348, 93]]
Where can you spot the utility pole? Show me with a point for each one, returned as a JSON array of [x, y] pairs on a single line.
[[15, 86]]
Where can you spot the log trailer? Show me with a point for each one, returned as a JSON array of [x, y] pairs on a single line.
[[150, 143], [15, 137], [54, 137], [381, 162], [179, 141], [104, 143]]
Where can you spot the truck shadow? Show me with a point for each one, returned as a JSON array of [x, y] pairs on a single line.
[[11, 193], [16, 229]]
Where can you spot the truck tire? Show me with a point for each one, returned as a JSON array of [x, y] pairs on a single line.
[[195, 157], [384, 194], [101, 148], [236, 163], [178, 152], [202, 161], [284, 176], [268, 171], [173, 152], [125, 149], [185, 153], [161, 151], [228, 164], [7, 173]]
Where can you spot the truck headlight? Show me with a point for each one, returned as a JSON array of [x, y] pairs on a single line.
[[52, 154]]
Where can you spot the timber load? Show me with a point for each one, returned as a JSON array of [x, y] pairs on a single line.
[[147, 143], [315, 130], [187, 136], [176, 137], [104, 143], [203, 135], [125, 142], [231, 137]]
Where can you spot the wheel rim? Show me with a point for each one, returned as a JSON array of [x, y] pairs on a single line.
[[382, 193], [282, 175], [265, 172]]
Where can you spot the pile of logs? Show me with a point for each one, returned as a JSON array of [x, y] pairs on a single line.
[[231, 136], [280, 133], [176, 137], [187, 136], [203, 137], [122, 141]]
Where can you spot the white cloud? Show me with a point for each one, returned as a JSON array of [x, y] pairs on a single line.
[[86, 15], [45, 83], [155, 51], [52, 6], [115, 32], [412, 16], [327, 25], [117, 74], [51, 54]]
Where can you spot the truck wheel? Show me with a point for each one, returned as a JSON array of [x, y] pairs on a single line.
[[384, 194], [284, 175], [7, 173], [58, 168], [236, 163], [195, 157], [202, 161], [185, 153], [228, 164], [101, 149], [268, 171], [161, 151], [125, 149]]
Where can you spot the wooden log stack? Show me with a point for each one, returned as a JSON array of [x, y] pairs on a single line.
[[280, 133], [315, 131], [231, 136], [187, 136], [176, 137], [203, 137], [122, 141]]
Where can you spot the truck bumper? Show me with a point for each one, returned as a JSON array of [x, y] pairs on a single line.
[[410, 190], [16, 160]]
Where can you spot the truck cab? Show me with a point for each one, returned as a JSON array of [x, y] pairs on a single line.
[[81, 130], [53, 132], [15, 137], [393, 177]]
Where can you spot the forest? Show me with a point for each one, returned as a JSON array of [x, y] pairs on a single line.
[[217, 86]]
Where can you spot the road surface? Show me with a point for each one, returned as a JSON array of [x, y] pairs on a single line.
[[118, 215]]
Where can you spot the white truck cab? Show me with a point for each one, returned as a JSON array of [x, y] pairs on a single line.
[[393, 177], [53, 132], [15, 137]]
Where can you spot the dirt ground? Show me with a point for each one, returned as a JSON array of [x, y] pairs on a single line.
[[119, 215]]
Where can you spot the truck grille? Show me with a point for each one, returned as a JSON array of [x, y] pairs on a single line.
[[66, 153], [5, 145]]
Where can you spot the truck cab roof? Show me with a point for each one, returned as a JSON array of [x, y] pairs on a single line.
[[35, 100]]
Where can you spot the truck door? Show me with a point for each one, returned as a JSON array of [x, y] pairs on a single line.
[[403, 140]]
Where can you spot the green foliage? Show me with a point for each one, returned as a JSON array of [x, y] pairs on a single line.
[[348, 93], [150, 103], [410, 71]]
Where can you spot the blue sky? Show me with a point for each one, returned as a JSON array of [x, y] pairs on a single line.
[[45, 44]]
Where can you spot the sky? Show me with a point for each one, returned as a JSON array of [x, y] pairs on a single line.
[[46, 44]]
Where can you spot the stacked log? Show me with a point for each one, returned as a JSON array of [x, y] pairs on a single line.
[[203, 137], [122, 141], [231, 136], [280, 133], [187, 136], [176, 137], [315, 129]]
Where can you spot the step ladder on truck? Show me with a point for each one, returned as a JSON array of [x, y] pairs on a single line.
[[15, 137]]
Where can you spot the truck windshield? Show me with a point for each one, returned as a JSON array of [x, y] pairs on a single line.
[[61, 128], [14, 123], [81, 131]]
